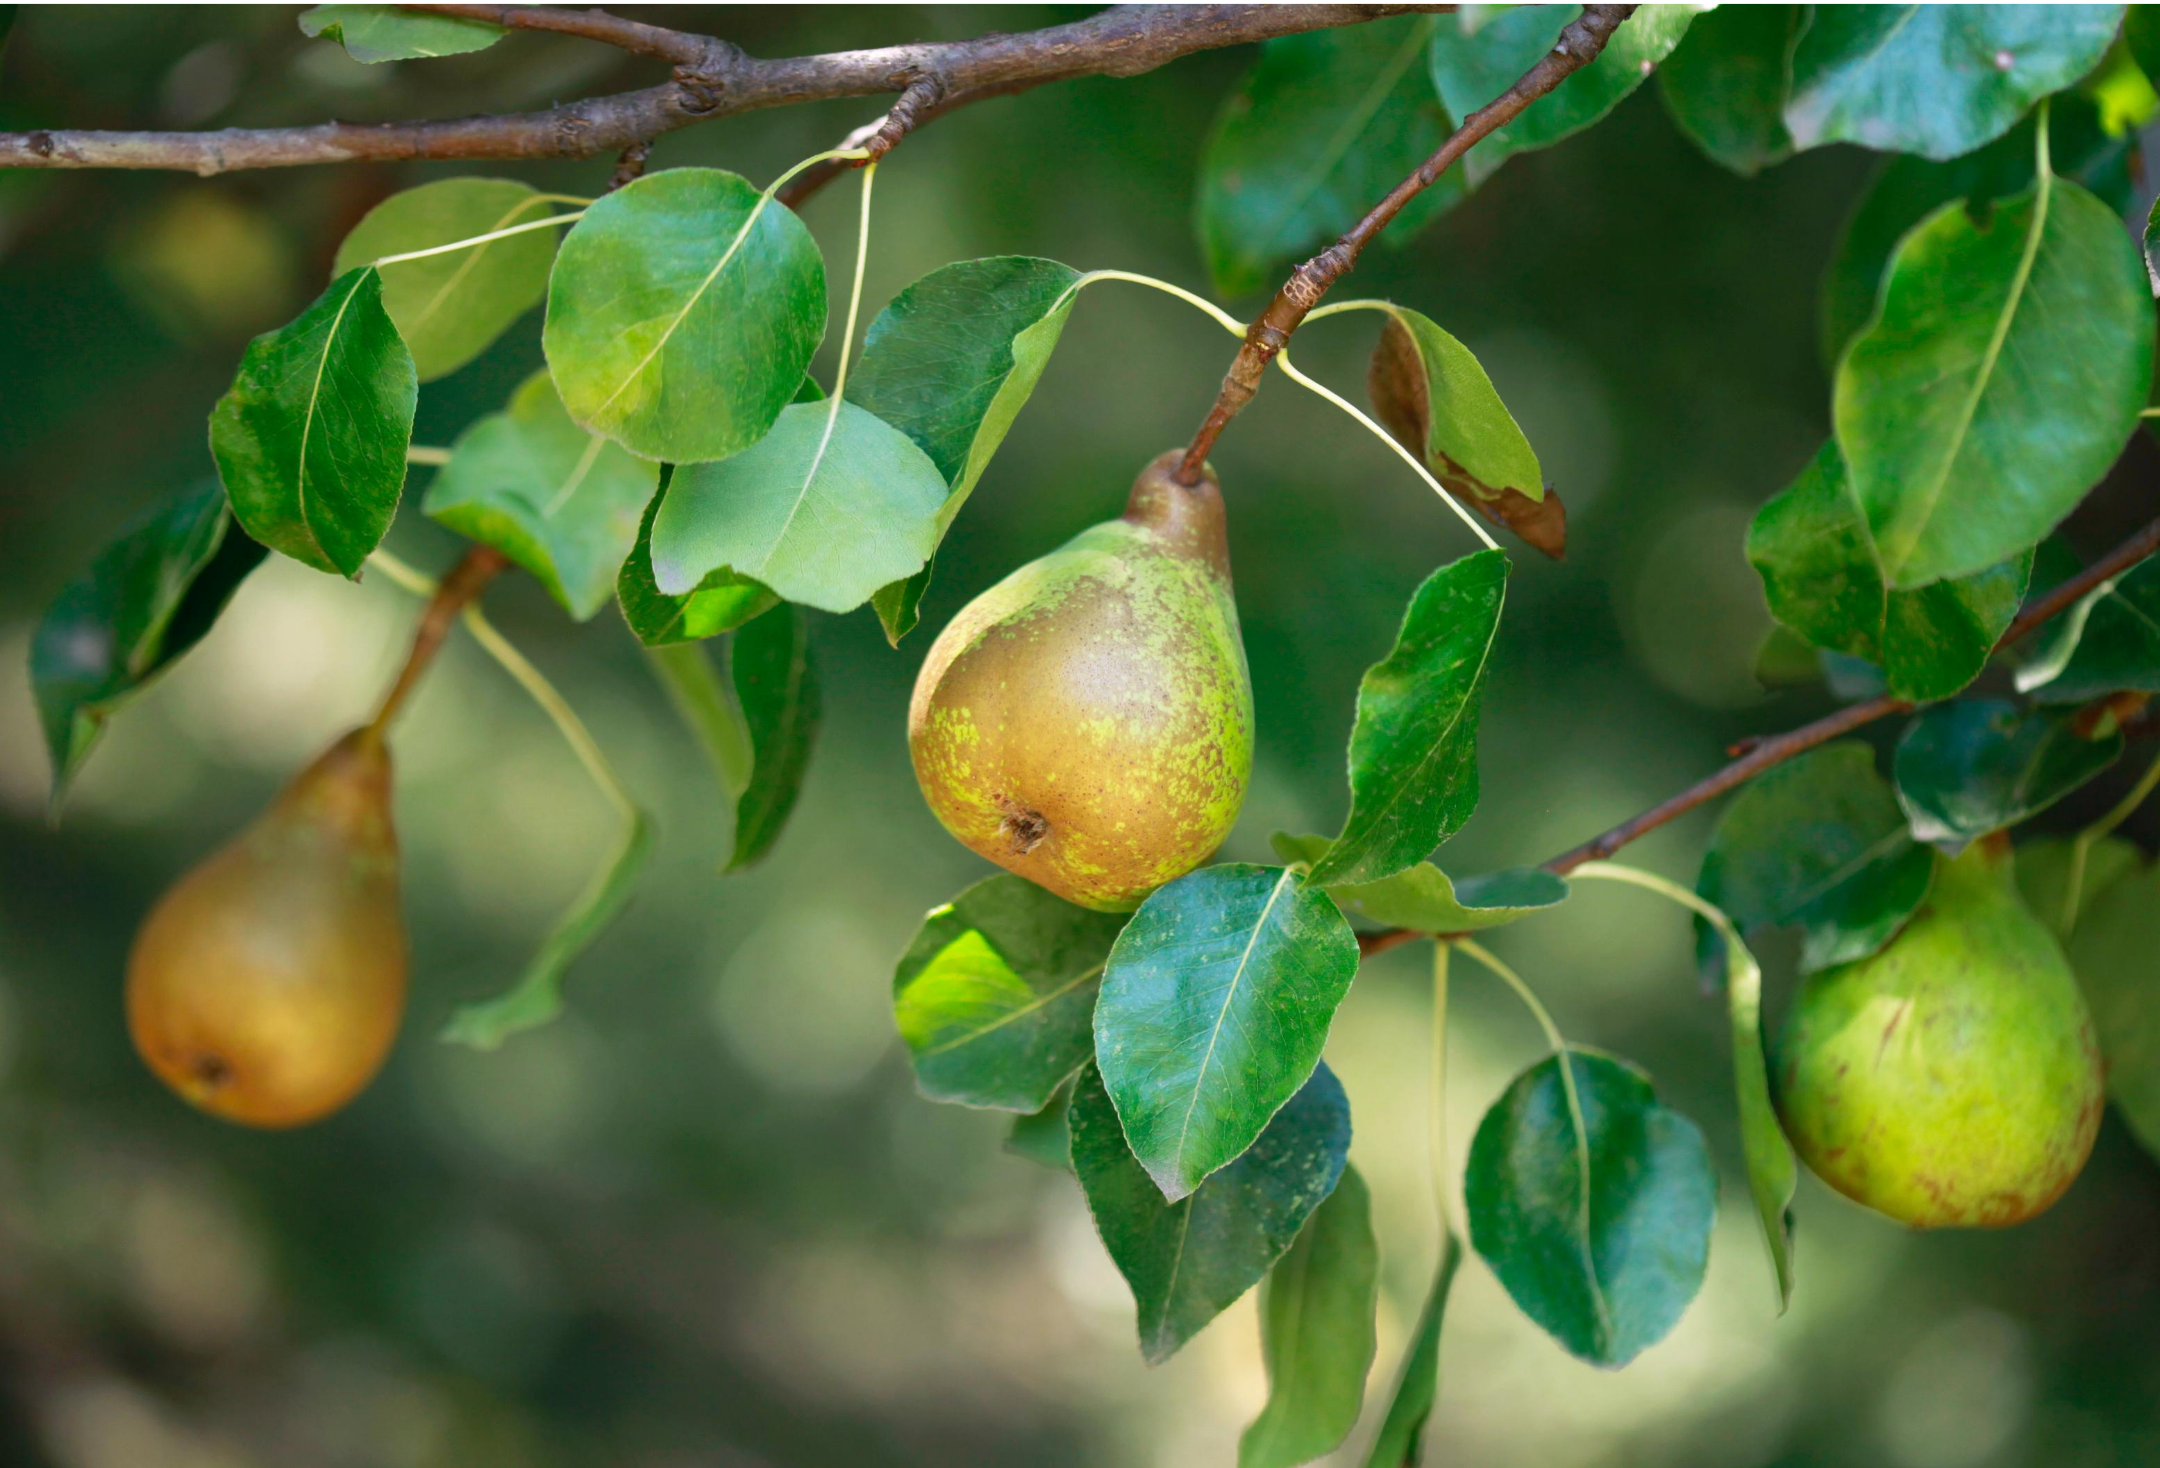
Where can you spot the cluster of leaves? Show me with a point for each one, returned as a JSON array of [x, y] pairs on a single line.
[[1990, 329]]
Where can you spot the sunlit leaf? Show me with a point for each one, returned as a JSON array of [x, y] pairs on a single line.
[[1425, 899], [996, 996], [1188, 1260], [559, 501], [1323, 124], [1937, 80], [1317, 1332], [1600, 1230], [2002, 374], [1979, 765], [150, 595], [722, 601], [450, 307], [678, 324], [311, 437], [1213, 1010], [1822, 578], [1413, 751], [392, 33], [828, 507]]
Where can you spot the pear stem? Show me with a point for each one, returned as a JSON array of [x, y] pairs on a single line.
[[480, 565]]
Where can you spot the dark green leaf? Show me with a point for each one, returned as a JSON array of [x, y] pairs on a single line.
[[950, 363], [2113, 950], [561, 502], [1213, 1011], [1773, 1174], [1820, 574], [1967, 768], [1820, 843], [722, 602], [149, 596], [1317, 1332], [2108, 642], [1188, 1260], [311, 437], [682, 312], [825, 509], [1785, 659], [392, 33], [536, 998], [709, 711], [2047, 867], [1906, 190], [1727, 83], [1422, 897], [777, 689], [1608, 1271], [996, 996], [449, 307], [1400, 1441], [1413, 751], [1045, 1137], [1476, 58], [1937, 80], [1999, 380], [1323, 124]]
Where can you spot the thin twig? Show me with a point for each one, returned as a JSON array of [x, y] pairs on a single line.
[[917, 105], [1579, 44], [720, 81], [1778, 748], [466, 580]]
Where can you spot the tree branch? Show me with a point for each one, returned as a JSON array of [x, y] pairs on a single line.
[[1579, 45], [1781, 747], [718, 80]]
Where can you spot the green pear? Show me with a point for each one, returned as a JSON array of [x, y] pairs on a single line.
[[1953, 1079], [267, 986], [1087, 722]]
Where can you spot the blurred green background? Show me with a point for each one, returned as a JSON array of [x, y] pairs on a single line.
[[705, 1220]]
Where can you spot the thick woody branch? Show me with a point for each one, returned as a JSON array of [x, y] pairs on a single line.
[[712, 79], [1778, 748], [1579, 44]]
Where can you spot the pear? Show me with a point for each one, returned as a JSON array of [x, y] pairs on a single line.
[[1087, 722], [267, 986], [1953, 1079]]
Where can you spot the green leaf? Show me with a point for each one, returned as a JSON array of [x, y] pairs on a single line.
[[996, 996], [1822, 578], [2111, 950], [1213, 1011], [1817, 843], [2001, 376], [825, 509], [709, 711], [1906, 190], [1727, 84], [1475, 59], [1399, 1443], [1773, 1174], [1425, 899], [1609, 1270], [1785, 659], [1189, 1260], [1317, 1332], [1045, 1137], [1323, 124], [2044, 871], [311, 437], [1469, 438], [536, 998], [151, 594], [1979, 765], [2108, 642], [722, 601], [777, 689], [391, 33], [681, 314], [1413, 751], [950, 363], [450, 307], [561, 502], [1937, 80]]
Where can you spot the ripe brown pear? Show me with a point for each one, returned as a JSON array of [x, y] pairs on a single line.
[[267, 986], [1953, 1079], [1087, 722]]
